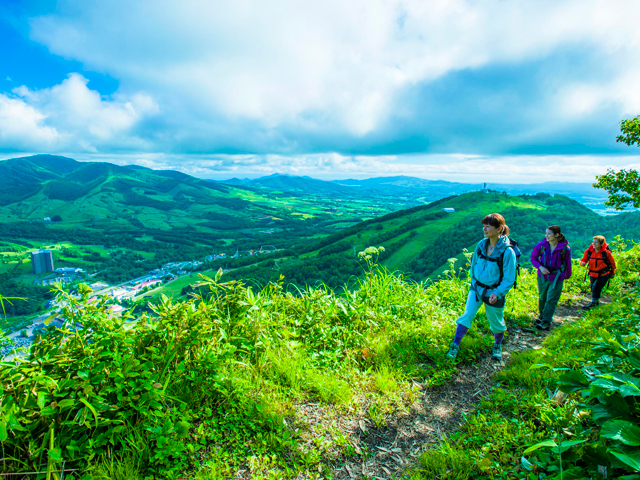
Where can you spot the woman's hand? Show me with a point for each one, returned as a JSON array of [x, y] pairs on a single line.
[[582, 264], [493, 298], [545, 270]]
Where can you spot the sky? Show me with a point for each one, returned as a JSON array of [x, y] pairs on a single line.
[[461, 90]]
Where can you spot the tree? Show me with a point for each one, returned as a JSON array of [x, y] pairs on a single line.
[[630, 129], [623, 186], [56, 218]]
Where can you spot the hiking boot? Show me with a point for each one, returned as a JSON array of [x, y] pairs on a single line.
[[496, 353], [594, 303], [453, 351], [542, 325]]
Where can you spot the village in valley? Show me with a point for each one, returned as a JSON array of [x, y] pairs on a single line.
[[118, 298]]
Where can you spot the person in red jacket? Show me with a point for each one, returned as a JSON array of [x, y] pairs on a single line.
[[602, 267]]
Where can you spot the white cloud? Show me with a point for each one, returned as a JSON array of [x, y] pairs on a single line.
[[71, 115], [341, 63], [23, 127]]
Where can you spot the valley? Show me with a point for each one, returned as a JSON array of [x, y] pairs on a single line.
[[117, 224], [246, 318]]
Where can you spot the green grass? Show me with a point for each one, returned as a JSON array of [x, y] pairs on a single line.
[[253, 356]]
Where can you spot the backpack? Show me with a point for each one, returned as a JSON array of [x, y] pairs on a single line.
[[605, 259], [500, 261]]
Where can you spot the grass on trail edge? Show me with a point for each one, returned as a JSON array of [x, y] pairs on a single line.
[[569, 410], [210, 387]]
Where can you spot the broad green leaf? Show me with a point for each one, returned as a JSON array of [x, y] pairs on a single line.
[[606, 383], [573, 380], [546, 443], [574, 473], [67, 402], [564, 446], [626, 459], [629, 390], [42, 399], [55, 454], [182, 428], [526, 463], [621, 430], [93, 410], [3, 430]]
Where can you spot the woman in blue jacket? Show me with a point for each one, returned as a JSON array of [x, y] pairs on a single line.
[[489, 283]]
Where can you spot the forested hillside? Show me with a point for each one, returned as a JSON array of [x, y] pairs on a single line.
[[419, 241]]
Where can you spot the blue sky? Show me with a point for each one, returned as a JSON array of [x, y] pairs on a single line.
[[460, 90]]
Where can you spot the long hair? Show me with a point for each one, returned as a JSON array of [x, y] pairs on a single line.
[[555, 229], [496, 220]]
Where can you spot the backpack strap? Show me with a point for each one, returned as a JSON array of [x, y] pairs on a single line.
[[490, 259], [500, 261]]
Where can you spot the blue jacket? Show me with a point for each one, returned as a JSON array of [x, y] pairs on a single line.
[[488, 272]]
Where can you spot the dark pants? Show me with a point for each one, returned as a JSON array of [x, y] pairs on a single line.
[[548, 297], [597, 284]]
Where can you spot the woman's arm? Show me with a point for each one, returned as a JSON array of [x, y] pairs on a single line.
[[585, 258]]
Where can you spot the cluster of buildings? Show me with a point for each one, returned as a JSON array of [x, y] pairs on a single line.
[[42, 263], [126, 291]]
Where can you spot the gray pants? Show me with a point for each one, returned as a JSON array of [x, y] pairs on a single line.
[[548, 297]]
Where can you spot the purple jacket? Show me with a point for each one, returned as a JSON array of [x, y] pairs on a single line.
[[542, 257]]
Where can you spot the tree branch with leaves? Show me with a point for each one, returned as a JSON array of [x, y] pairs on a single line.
[[623, 186]]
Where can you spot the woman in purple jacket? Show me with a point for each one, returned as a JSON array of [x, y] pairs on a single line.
[[552, 258]]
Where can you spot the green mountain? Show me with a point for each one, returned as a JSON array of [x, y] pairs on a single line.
[[152, 216], [420, 241], [46, 185]]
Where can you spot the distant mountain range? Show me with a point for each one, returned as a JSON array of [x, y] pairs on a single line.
[[403, 185], [294, 184]]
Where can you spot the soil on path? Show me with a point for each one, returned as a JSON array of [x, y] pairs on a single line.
[[439, 411]]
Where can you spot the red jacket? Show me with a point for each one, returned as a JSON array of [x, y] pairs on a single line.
[[597, 266]]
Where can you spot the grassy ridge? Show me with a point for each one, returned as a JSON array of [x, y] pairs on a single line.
[[208, 384]]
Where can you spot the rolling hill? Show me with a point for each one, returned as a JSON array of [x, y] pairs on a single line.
[[103, 195], [420, 241]]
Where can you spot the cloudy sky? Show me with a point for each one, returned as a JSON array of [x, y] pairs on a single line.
[[478, 90]]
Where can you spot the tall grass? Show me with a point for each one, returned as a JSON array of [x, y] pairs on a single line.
[[212, 385]]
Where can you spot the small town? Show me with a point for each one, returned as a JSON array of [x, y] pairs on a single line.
[[119, 297]]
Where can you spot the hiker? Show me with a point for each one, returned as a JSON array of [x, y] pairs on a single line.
[[601, 267], [552, 258], [493, 273]]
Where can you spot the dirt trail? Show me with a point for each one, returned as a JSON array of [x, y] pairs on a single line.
[[438, 411]]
